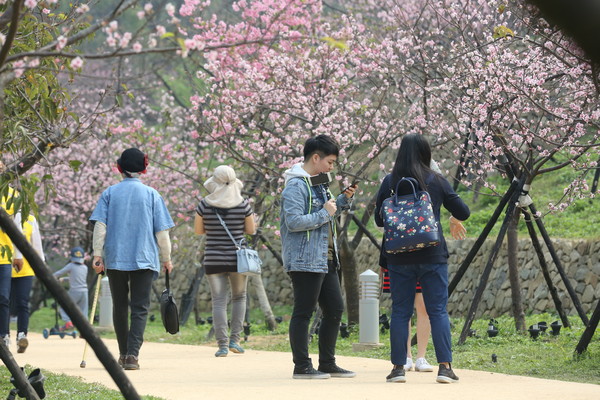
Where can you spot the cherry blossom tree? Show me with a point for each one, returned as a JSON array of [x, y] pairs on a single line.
[[503, 90], [497, 89]]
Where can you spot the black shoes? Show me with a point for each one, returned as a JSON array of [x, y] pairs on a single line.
[[336, 372], [446, 375], [309, 373], [131, 363], [397, 375]]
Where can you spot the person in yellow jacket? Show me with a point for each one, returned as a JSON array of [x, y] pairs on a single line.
[[9, 257], [22, 281]]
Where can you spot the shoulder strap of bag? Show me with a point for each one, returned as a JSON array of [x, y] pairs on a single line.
[[167, 279], [227, 230], [412, 182]]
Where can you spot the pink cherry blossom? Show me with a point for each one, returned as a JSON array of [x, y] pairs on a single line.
[[61, 42], [77, 63]]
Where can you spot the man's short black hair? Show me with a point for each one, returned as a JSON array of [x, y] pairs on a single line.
[[323, 145]]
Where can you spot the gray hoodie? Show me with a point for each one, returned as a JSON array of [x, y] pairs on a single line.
[[295, 171]]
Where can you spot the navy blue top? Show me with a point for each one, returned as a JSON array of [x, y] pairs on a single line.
[[441, 194]]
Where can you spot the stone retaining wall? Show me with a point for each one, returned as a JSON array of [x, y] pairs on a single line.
[[580, 258]]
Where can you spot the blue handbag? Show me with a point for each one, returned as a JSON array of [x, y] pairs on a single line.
[[248, 261], [408, 221]]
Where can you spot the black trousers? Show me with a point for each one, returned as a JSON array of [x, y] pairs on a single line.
[[309, 289], [138, 284]]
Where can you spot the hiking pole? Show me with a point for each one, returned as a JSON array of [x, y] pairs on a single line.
[[92, 314]]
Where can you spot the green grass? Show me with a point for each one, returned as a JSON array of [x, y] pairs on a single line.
[[60, 386], [582, 216], [550, 357]]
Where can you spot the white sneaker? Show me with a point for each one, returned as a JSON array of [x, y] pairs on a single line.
[[6, 340], [22, 342], [409, 364], [422, 365]]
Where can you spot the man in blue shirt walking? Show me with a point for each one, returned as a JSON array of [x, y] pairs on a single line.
[[131, 240]]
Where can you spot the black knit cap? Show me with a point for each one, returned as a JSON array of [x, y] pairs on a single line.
[[132, 160]]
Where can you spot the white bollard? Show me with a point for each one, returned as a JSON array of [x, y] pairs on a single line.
[[368, 311], [105, 305]]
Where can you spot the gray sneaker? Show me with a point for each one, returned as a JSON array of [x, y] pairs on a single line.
[[236, 348], [309, 373], [446, 375], [222, 352], [336, 372], [397, 375]]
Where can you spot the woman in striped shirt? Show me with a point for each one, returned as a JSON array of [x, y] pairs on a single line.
[[220, 260]]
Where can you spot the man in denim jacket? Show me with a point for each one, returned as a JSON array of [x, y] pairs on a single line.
[[310, 257]]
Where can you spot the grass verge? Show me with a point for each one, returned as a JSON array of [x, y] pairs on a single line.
[[549, 357]]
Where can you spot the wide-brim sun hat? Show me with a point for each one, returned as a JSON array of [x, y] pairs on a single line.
[[224, 188]]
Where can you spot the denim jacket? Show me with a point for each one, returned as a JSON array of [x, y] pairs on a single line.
[[305, 226]]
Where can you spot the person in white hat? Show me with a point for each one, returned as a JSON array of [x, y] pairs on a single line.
[[220, 261]]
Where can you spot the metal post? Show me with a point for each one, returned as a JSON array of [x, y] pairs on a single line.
[[368, 311]]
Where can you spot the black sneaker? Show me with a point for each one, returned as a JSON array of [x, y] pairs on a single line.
[[336, 372], [131, 363], [446, 375], [309, 373], [397, 375]]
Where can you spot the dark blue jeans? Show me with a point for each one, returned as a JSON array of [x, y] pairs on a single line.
[[434, 281], [20, 292], [5, 282], [311, 288], [138, 286]]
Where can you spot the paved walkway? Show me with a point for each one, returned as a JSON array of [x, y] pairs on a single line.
[[178, 372]]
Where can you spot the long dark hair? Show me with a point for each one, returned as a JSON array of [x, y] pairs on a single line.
[[413, 160]]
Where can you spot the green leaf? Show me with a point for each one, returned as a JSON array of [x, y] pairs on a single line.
[[181, 43], [75, 164]]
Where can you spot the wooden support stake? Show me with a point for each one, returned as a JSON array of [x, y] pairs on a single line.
[[589, 331], [538, 249], [488, 268], [559, 267]]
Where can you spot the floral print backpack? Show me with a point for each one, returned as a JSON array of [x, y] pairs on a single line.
[[408, 221]]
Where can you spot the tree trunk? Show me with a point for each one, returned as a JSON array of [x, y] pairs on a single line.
[[263, 301], [350, 279], [512, 238]]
